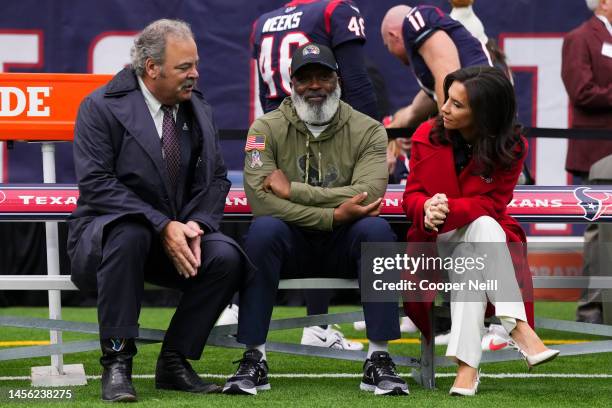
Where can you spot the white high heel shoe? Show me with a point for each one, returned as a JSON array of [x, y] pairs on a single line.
[[466, 392], [540, 358]]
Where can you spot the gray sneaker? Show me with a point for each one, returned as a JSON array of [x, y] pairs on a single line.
[[251, 375], [380, 377]]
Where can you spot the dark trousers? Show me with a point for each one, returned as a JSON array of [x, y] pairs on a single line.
[[279, 249], [132, 253], [597, 262]]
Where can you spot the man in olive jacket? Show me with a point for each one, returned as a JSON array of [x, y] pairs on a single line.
[[315, 172]]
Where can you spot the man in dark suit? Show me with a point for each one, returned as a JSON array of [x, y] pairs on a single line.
[[152, 187], [586, 69]]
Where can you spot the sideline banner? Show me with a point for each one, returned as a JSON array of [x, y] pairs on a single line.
[[563, 203], [38, 107]]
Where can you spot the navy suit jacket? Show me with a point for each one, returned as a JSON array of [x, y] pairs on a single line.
[[121, 172]]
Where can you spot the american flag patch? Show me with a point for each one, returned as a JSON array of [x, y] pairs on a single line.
[[254, 142]]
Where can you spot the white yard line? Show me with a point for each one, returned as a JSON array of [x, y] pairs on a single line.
[[358, 375]]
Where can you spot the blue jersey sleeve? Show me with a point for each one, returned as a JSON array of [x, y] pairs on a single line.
[[343, 22], [420, 24], [357, 89]]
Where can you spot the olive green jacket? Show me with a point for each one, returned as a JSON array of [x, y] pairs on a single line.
[[348, 158]]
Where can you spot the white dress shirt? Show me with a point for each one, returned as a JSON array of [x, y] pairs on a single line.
[[155, 107]]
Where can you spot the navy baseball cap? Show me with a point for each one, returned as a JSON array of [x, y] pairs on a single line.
[[313, 54]]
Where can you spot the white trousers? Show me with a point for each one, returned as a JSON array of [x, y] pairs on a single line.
[[467, 315]]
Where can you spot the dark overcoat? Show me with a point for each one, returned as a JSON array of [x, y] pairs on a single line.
[[121, 172]]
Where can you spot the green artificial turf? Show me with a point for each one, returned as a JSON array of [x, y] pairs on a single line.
[[320, 392]]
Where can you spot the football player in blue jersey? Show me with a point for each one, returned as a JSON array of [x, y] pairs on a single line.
[[433, 45], [339, 25]]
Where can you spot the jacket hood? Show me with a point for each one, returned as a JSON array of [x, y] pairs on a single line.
[[342, 116]]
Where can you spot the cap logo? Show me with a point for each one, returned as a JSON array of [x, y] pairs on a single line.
[[311, 50]]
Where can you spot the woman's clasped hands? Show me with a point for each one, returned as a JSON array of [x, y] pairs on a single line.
[[436, 210]]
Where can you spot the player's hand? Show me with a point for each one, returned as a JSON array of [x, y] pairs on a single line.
[[278, 184], [401, 118], [175, 236], [352, 209]]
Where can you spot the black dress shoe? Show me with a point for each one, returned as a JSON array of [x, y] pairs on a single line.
[[173, 372], [116, 361], [590, 313]]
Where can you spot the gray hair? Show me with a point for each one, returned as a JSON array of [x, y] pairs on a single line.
[[151, 42], [592, 4]]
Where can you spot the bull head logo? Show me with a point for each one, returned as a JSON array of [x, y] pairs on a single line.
[[594, 203]]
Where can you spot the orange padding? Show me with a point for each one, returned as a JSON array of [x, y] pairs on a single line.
[[43, 106]]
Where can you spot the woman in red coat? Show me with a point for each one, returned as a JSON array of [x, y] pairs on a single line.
[[463, 169]]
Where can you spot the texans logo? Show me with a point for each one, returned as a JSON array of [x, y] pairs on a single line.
[[594, 203], [118, 344]]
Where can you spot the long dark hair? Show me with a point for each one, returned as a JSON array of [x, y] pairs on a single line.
[[498, 142]]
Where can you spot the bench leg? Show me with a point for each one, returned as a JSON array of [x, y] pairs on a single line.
[[426, 374], [606, 305]]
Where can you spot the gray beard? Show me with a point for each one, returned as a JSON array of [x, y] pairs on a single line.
[[316, 114]]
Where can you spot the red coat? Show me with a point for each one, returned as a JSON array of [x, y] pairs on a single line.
[[432, 170], [587, 75]]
